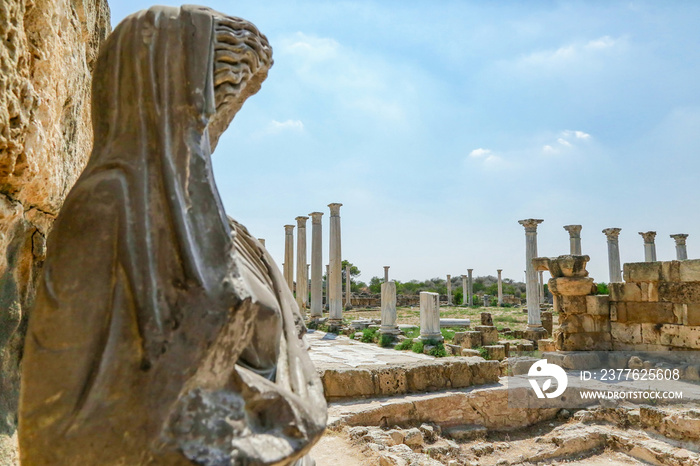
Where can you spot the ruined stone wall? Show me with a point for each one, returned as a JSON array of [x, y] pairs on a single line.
[[47, 53], [656, 308]]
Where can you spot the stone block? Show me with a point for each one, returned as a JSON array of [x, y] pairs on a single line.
[[651, 334], [471, 339], [583, 341], [534, 334], [470, 352], [687, 292], [680, 336], [505, 344], [642, 272], [573, 305], [546, 344], [670, 271], [426, 377], [691, 314], [625, 291], [495, 352], [489, 334], [486, 319], [454, 350], [571, 286], [574, 361], [547, 321], [464, 433], [598, 305], [618, 312], [343, 383], [521, 365], [525, 346], [689, 271], [626, 333], [649, 313]]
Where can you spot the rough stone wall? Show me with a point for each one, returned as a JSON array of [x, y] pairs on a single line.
[[47, 52], [656, 308]]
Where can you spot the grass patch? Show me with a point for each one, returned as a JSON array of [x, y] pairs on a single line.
[[369, 335], [412, 333], [386, 340], [404, 345], [418, 347], [483, 353], [437, 351], [448, 333]]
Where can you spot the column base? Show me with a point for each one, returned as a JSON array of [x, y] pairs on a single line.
[[535, 333], [431, 337], [389, 330]]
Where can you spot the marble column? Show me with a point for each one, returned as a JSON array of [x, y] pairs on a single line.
[[348, 288], [681, 251], [470, 287], [289, 256], [464, 290], [649, 245], [449, 290], [574, 239], [430, 316], [614, 268], [335, 280], [541, 285], [500, 288], [533, 306], [302, 284], [389, 309], [262, 241], [316, 265], [386, 274], [328, 276]]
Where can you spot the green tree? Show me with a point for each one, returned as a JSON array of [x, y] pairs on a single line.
[[375, 285]]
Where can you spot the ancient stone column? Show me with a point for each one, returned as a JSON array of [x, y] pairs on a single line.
[[328, 276], [430, 316], [302, 284], [335, 280], [541, 279], [533, 306], [386, 274], [262, 241], [389, 309], [500, 288], [289, 256], [348, 288], [574, 238], [464, 290], [681, 252], [612, 235], [449, 290], [649, 245], [316, 265], [470, 287]]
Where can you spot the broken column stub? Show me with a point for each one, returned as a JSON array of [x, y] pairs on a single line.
[[430, 316], [389, 309]]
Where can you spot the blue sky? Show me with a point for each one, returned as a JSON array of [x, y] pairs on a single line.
[[439, 125]]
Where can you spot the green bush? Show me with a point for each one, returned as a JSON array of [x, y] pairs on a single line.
[[386, 340], [603, 288], [369, 335], [439, 351], [418, 347], [404, 345]]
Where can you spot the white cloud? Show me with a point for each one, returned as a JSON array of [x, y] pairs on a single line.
[[578, 54], [480, 152], [567, 140], [488, 158], [310, 47], [293, 125], [564, 142]]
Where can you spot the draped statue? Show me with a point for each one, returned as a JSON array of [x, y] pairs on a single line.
[[163, 333]]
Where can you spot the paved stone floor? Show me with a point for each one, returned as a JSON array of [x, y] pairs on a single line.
[[338, 351]]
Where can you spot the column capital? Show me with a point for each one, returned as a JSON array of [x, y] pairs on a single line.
[[316, 217], [386, 267], [680, 238], [301, 221], [463, 276], [289, 229], [612, 233], [470, 271], [530, 224], [574, 230], [335, 209], [499, 271], [648, 236], [449, 276]]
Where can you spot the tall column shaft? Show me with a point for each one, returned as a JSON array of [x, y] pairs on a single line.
[[316, 264], [449, 290], [500, 288], [470, 287], [348, 288], [386, 274], [289, 256], [465, 293], [302, 284], [335, 285], [389, 309], [612, 234], [541, 285], [328, 282], [649, 246], [681, 251], [574, 239], [430, 316], [533, 306]]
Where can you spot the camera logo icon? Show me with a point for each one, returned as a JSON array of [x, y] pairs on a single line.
[[544, 369]]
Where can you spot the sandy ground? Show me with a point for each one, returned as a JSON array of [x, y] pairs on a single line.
[[336, 450]]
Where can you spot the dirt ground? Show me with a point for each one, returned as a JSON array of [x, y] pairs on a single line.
[[335, 449]]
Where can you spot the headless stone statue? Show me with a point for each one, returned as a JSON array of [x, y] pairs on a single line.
[[163, 333]]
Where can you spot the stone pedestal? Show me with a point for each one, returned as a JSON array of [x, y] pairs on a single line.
[[470, 287], [487, 300], [649, 245], [289, 256], [489, 334], [614, 268], [316, 265], [500, 288], [681, 252], [335, 280], [448, 283], [574, 239], [389, 309], [533, 305], [486, 319], [302, 283], [430, 316], [464, 290]]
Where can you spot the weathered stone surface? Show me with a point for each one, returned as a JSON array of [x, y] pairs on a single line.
[[688, 292], [642, 272], [463, 433], [471, 339], [571, 286], [46, 59], [546, 344], [643, 312], [598, 305], [489, 334], [689, 271], [547, 321], [626, 332], [495, 352], [486, 319]]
